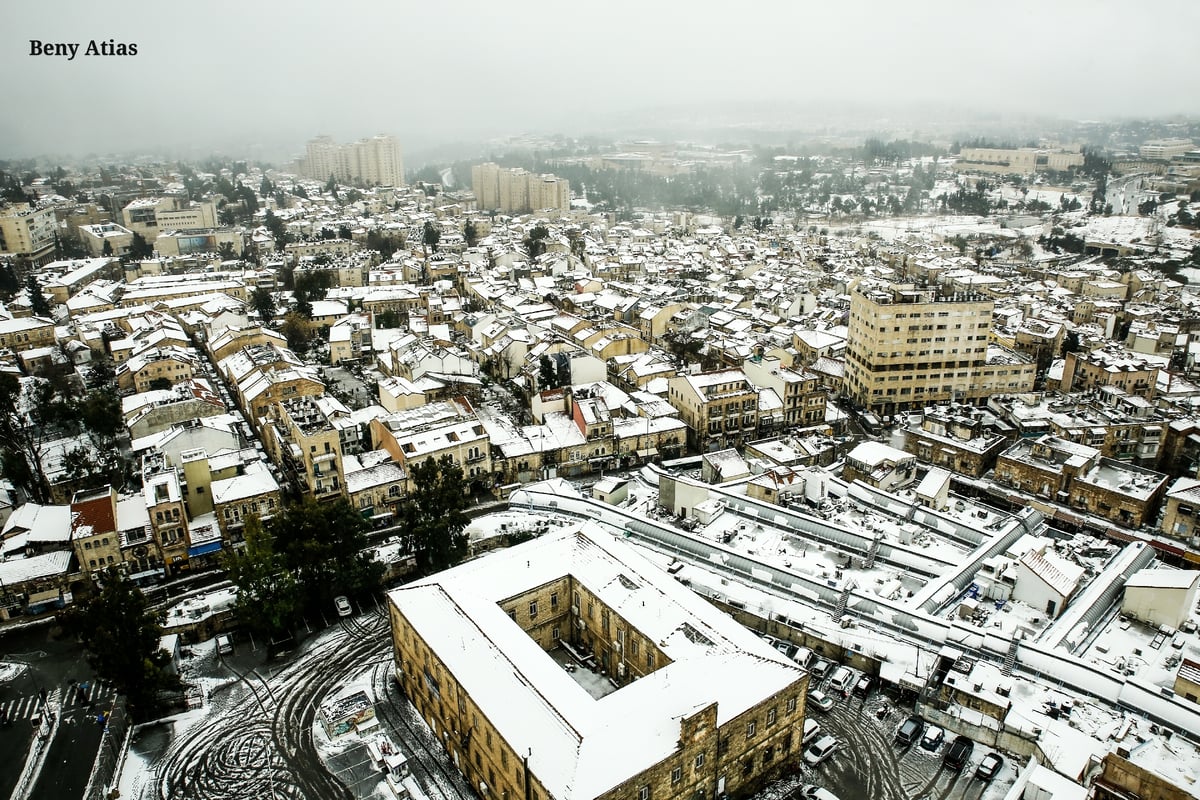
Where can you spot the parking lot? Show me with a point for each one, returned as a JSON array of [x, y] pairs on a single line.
[[869, 764]]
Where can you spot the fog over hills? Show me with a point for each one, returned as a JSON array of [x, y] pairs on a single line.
[[264, 77]]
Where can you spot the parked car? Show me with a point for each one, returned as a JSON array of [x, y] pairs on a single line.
[[989, 766], [803, 656], [342, 603], [820, 750], [224, 644], [820, 700], [842, 680], [864, 686], [933, 737], [810, 791], [811, 729], [958, 753], [910, 731], [820, 668]]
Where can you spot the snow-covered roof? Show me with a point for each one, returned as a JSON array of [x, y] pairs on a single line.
[[1163, 578], [581, 747], [1059, 574], [257, 481], [19, 570]]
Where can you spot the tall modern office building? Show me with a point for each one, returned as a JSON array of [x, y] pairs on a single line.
[[374, 161]]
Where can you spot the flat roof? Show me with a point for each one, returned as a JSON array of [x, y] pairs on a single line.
[[581, 747]]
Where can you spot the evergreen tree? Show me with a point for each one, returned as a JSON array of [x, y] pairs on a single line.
[[122, 640], [37, 301], [547, 374], [323, 545], [297, 329], [1071, 343], [139, 248], [268, 594], [9, 284], [262, 301], [431, 236], [433, 517], [535, 242]]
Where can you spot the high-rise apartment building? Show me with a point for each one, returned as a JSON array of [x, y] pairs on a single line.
[[28, 232], [913, 346], [374, 161], [517, 191]]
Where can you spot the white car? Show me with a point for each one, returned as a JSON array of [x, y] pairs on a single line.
[[811, 729], [342, 603], [820, 700], [820, 750], [842, 680]]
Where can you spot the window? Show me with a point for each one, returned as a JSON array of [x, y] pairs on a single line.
[[644, 793], [676, 775], [771, 715], [791, 704], [751, 729], [553, 601], [533, 609], [700, 761], [555, 633]]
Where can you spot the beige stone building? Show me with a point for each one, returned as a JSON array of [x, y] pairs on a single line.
[[954, 438], [171, 364], [28, 232], [309, 445], [516, 191], [374, 161], [912, 346], [162, 494], [695, 705], [1078, 476], [1135, 373], [804, 397], [253, 491], [24, 333], [1022, 161], [1181, 519], [720, 408], [94, 536]]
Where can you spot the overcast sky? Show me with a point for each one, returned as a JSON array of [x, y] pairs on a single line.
[[220, 75]]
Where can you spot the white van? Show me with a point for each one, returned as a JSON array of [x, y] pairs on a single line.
[[842, 680], [224, 644], [803, 656]]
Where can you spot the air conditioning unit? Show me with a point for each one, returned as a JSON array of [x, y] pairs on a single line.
[[621, 670], [617, 646], [575, 610], [579, 623]]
